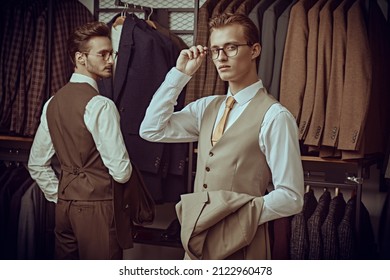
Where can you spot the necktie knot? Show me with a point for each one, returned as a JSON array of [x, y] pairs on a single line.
[[230, 102]]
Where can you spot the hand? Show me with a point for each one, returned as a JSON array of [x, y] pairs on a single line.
[[190, 59]]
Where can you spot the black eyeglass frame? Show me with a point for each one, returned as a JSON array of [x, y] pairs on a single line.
[[105, 56], [216, 51]]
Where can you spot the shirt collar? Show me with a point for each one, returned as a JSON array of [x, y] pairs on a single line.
[[246, 94], [80, 78]]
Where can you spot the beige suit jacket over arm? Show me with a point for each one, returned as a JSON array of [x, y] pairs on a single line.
[[217, 224]]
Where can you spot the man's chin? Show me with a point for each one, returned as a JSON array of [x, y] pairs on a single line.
[[106, 75]]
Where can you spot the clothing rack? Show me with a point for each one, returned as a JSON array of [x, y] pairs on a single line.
[[149, 11], [339, 174], [134, 7]]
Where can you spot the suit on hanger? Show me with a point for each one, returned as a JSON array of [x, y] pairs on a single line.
[[257, 15], [246, 7], [314, 224], [378, 118], [311, 69], [337, 75], [196, 84], [299, 246], [329, 228], [280, 40], [145, 56], [294, 71], [357, 83], [12, 53], [20, 115], [268, 32], [13, 227], [26, 224], [324, 58], [346, 232], [14, 181]]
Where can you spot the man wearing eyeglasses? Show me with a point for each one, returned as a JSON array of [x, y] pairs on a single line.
[[226, 216], [82, 129]]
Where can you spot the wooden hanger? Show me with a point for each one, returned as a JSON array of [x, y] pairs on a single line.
[[150, 22], [121, 19]]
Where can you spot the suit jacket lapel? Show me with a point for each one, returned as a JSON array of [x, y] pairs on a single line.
[[188, 211], [106, 86], [125, 52]]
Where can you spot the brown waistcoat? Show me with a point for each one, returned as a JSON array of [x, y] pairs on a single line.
[[83, 174]]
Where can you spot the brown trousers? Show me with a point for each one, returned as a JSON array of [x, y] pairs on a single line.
[[86, 230]]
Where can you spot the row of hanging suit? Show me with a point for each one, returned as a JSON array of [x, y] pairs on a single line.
[[325, 60], [325, 229], [26, 217], [34, 62]]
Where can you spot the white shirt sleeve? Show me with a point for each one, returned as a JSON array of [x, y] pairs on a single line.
[[279, 142], [39, 163], [102, 119], [162, 124]]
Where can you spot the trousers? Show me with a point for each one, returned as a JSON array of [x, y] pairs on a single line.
[[86, 230]]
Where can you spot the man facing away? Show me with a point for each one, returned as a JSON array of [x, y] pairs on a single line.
[[259, 145], [82, 128]]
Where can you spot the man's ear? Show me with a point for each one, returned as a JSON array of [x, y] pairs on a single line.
[[80, 58], [256, 49]]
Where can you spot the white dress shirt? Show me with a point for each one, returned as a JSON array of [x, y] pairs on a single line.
[[116, 32], [278, 138], [102, 120]]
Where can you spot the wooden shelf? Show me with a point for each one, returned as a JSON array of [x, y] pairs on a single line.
[[16, 138]]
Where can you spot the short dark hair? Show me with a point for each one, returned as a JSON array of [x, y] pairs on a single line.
[[251, 32], [78, 40]]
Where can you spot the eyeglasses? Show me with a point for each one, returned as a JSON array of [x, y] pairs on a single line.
[[105, 55], [229, 50]]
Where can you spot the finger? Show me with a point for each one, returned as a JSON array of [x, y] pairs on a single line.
[[187, 53], [201, 50]]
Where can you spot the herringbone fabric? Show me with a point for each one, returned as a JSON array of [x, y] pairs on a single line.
[[314, 227], [299, 243]]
